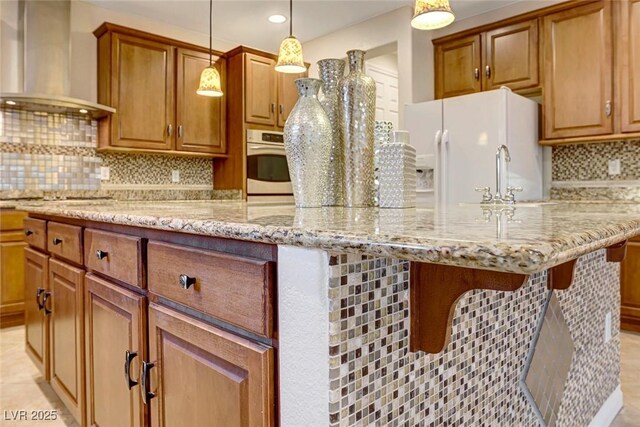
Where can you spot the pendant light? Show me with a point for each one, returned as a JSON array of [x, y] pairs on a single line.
[[210, 77], [432, 14], [290, 54]]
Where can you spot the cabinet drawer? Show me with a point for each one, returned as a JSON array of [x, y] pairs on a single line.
[[65, 241], [114, 255], [35, 233], [231, 288]]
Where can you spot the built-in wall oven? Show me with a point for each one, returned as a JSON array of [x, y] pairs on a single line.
[[267, 170]]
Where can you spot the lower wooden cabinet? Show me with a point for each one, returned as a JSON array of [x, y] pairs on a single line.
[[63, 304], [11, 267], [203, 376], [630, 288], [114, 345], [36, 277]]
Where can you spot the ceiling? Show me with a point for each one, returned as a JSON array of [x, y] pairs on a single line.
[[245, 21]]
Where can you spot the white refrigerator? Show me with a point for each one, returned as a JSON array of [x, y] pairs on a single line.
[[461, 135]]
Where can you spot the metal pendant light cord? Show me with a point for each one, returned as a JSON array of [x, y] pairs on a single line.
[[210, 29], [290, 18]]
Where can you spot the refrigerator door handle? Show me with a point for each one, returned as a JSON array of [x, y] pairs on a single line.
[[444, 147], [436, 175]]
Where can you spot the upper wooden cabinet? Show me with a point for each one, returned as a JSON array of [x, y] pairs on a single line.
[[287, 95], [151, 81], [628, 57], [504, 56], [578, 70]]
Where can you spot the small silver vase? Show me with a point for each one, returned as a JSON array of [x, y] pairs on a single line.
[[331, 71], [307, 143], [357, 117]]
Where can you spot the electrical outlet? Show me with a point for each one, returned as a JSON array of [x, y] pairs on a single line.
[[607, 327], [105, 173], [614, 167], [175, 175]]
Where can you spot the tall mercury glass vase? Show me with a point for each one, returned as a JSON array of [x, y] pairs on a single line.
[[357, 118], [331, 71], [307, 144]]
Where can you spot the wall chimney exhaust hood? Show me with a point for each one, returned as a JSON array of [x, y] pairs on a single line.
[[47, 28]]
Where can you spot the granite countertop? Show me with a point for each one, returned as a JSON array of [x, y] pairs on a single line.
[[527, 239]]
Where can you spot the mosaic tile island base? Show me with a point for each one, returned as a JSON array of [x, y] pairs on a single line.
[[344, 308]]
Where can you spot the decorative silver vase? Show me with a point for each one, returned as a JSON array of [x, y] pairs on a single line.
[[307, 143], [331, 71], [357, 117]]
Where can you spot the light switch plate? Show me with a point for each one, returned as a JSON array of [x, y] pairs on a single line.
[[614, 167], [105, 173], [175, 175]]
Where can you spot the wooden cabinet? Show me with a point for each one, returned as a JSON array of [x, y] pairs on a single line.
[[151, 81], [287, 95], [203, 376], [11, 267], [115, 343], [36, 283], [628, 65], [578, 69], [63, 302], [261, 90], [630, 288], [487, 60]]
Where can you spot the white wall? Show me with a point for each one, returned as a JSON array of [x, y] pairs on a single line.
[[85, 18], [388, 62], [415, 70]]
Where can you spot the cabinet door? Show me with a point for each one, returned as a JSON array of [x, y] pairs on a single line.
[[578, 69], [630, 288], [115, 323], [457, 67], [11, 278], [511, 56], [204, 376], [287, 95], [64, 303], [200, 119], [260, 90], [628, 60], [143, 93], [36, 275]]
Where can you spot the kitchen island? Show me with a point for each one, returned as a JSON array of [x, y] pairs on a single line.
[[465, 315]]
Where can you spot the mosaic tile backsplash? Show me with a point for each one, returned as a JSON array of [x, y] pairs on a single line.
[[44, 154], [375, 380], [589, 162]]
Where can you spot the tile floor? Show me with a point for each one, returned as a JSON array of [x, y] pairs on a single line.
[[22, 387]]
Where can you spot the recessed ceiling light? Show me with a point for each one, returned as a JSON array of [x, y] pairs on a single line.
[[277, 19], [83, 111], [11, 103]]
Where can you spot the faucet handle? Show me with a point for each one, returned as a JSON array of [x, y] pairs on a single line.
[[511, 189], [510, 197], [487, 197]]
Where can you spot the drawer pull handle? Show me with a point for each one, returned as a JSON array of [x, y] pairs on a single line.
[[28, 232], [101, 254], [56, 241], [144, 382], [186, 282], [39, 293], [44, 303], [128, 357]]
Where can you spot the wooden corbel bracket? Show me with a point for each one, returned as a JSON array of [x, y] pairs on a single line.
[[617, 252], [434, 292]]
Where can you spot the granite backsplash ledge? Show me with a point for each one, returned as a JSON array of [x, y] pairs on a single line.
[[581, 171], [54, 156]]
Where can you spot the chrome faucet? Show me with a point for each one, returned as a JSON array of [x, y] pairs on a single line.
[[498, 197]]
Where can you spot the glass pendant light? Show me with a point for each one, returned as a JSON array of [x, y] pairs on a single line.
[[432, 14], [210, 77], [290, 54]]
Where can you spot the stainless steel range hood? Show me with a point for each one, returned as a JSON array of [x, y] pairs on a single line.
[[47, 28]]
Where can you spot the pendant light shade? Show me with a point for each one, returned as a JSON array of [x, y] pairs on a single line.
[[210, 78], [432, 14], [290, 53]]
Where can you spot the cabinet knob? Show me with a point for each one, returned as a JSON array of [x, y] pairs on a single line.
[[169, 129], [476, 73], [607, 108], [44, 303], [273, 108], [39, 293], [56, 241], [28, 232], [281, 109], [101, 254], [487, 71], [144, 382], [186, 282], [128, 357], [180, 131]]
